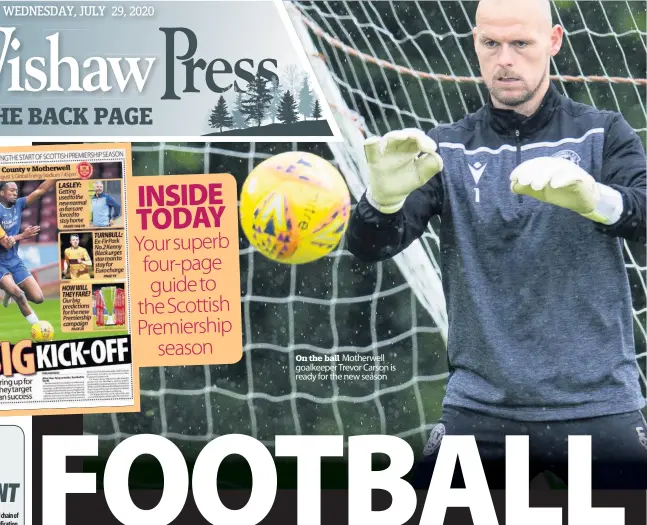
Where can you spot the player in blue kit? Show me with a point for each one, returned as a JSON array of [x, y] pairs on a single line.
[[536, 194], [15, 279]]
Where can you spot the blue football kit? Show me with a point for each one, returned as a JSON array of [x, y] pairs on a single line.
[[10, 262]]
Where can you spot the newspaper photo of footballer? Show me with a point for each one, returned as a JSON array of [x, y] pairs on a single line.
[[30, 256], [27, 218], [105, 200], [76, 256]]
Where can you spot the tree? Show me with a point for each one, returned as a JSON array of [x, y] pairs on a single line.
[[237, 113], [316, 110], [290, 78], [287, 112], [258, 97], [305, 100], [275, 91], [220, 117]]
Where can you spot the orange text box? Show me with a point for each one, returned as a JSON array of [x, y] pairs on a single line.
[[184, 270]]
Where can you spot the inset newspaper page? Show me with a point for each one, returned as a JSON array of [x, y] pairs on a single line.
[[64, 281]]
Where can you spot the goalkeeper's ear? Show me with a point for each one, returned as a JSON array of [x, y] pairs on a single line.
[[556, 39]]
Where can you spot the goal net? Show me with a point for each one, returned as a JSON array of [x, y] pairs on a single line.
[[383, 65]]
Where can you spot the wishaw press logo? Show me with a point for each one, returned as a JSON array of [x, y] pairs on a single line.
[[169, 79]]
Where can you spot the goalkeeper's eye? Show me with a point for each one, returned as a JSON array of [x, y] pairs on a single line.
[[521, 44], [490, 43]]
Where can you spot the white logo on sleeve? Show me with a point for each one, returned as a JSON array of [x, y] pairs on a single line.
[[477, 170], [641, 436], [434, 440], [569, 154]]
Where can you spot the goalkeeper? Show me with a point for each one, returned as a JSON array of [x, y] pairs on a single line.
[[536, 194]]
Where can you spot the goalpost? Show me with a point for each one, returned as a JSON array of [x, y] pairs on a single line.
[[382, 65]]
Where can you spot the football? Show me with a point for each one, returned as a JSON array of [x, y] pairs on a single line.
[[294, 207], [42, 331]]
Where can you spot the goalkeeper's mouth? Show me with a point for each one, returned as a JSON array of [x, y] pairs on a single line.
[[508, 80]]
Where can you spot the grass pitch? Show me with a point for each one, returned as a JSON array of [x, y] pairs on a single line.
[[14, 327]]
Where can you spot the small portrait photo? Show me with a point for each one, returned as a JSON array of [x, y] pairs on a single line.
[[77, 258], [105, 203]]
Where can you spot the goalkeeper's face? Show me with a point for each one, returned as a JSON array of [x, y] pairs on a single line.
[[514, 46]]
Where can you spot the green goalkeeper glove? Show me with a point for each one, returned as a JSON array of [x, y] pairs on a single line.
[[561, 182], [399, 163]]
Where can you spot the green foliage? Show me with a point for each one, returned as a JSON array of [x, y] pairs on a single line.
[[602, 39]]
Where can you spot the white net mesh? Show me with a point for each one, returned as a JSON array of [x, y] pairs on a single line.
[[333, 306], [382, 66]]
